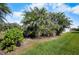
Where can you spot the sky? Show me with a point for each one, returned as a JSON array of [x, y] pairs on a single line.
[[71, 10]]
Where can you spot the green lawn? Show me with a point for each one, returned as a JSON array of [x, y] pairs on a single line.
[[67, 44]]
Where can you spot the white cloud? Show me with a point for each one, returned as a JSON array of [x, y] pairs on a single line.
[[61, 7], [54, 7], [18, 14], [39, 5], [75, 9], [46, 5], [15, 17]]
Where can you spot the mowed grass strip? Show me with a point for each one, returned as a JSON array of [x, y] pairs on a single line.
[[67, 44]]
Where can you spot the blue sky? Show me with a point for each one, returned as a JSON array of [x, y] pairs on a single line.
[[70, 9]]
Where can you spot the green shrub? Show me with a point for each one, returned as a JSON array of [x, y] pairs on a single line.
[[11, 38]]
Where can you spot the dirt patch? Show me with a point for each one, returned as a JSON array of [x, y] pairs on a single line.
[[2, 53]]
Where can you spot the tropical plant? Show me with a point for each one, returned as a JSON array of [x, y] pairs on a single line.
[[61, 20], [13, 37], [4, 10], [37, 23], [40, 22]]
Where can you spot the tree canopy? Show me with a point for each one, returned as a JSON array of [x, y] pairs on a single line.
[[40, 22]]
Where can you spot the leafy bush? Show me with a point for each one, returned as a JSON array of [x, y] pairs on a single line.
[[11, 39]]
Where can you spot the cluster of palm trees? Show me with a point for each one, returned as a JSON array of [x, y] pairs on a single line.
[[39, 22]]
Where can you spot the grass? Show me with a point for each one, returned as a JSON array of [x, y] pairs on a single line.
[[67, 44]]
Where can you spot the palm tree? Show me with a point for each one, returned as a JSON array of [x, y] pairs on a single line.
[[62, 20], [4, 10], [37, 21]]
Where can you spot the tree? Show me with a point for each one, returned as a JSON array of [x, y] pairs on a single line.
[[62, 20], [40, 22], [36, 22], [4, 10]]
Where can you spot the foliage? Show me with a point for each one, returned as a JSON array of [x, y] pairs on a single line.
[[12, 37], [39, 22], [62, 20], [12, 25], [4, 10], [6, 26]]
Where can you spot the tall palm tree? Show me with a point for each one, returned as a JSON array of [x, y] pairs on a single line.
[[4, 10]]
